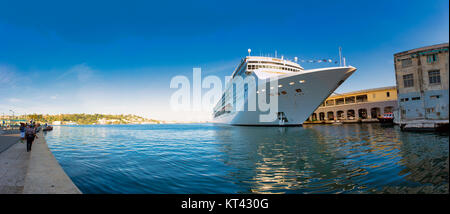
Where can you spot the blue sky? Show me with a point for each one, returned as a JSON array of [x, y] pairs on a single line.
[[119, 56]]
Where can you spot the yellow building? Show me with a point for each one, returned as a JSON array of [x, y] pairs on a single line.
[[363, 105]]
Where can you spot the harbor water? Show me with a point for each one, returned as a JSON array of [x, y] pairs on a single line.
[[208, 158]]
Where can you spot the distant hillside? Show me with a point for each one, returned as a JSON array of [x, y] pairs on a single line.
[[87, 119]]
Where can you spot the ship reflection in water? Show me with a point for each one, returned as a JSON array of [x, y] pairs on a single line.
[[206, 158]]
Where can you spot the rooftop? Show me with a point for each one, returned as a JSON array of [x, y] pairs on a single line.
[[426, 48], [364, 91]]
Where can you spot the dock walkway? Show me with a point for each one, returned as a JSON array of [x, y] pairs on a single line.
[[35, 172], [14, 160]]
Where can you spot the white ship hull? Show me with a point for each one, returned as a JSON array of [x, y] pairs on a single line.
[[316, 86]]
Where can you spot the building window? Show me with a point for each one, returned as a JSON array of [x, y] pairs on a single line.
[[434, 76], [432, 58], [330, 102], [340, 101], [415, 98], [388, 94], [406, 62], [361, 98], [408, 80], [349, 100]]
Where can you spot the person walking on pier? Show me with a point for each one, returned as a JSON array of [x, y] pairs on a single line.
[[22, 132], [30, 134]]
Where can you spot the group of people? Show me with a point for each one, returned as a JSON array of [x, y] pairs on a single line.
[[28, 131]]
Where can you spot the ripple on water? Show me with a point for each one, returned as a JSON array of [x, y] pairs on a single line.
[[206, 158]]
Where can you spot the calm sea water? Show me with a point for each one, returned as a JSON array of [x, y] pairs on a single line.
[[208, 158]]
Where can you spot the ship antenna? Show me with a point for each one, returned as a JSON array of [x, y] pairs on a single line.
[[295, 59], [249, 51], [340, 56], [275, 53]]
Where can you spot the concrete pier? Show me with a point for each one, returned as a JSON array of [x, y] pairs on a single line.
[[14, 160], [425, 125], [35, 172]]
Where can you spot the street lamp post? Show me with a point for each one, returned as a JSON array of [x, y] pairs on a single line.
[[10, 123], [12, 113]]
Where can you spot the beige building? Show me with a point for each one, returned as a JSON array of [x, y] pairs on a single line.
[[422, 82], [356, 106]]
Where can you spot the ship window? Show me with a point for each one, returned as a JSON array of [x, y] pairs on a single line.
[[283, 92], [291, 83], [298, 90], [435, 97], [415, 98]]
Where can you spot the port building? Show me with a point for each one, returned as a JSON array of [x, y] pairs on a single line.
[[357, 106], [422, 83]]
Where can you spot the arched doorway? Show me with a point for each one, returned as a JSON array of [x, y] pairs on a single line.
[[375, 112], [321, 116], [350, 114], [362, 113], [340, 115], [330, 115]]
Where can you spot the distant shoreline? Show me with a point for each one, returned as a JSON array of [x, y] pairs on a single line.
[[130, 124]]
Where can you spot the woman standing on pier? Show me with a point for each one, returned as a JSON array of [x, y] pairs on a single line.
[[30, 134]]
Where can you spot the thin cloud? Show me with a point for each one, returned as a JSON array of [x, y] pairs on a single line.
[[14, 100], [82, 72], [8, 77]]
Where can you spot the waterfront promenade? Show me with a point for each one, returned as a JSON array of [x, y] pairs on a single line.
[[35, 172]]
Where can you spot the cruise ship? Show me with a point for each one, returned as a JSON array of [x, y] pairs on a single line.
[[297, 92]]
